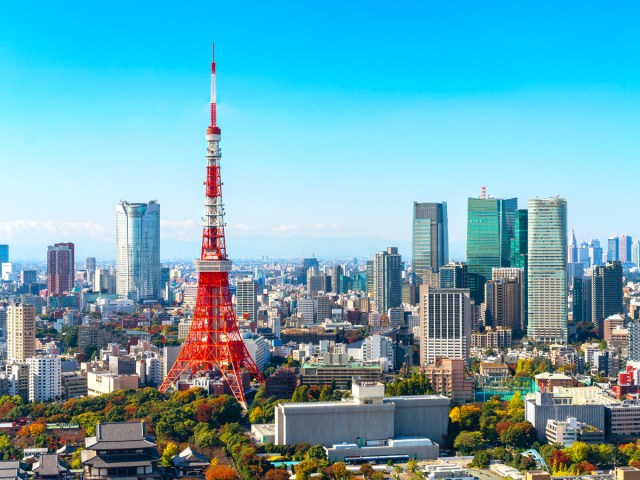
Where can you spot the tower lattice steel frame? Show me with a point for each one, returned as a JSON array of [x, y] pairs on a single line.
[[214, 342]]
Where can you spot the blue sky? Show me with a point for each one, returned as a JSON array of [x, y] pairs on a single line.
[[335, 117]]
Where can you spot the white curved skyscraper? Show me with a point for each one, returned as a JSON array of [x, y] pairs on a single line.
[[138, 250]]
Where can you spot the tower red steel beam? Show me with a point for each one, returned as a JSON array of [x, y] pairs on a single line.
[[214, 342]]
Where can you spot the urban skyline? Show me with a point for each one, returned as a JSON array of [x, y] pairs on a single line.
[[522, 113]]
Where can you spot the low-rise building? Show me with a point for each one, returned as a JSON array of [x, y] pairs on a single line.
[[340, 374], [547, 381], [74, 385], [623, 420], [494, 371], [567, 432], [368, 424], [101, 382]]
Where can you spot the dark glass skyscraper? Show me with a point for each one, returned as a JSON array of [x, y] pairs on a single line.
[[490, 229], [430, 237]]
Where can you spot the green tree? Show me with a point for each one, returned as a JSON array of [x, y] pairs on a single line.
[[300, 394], [578, 452], [367, 471], [170, 451], [468, 442], [515, 407], [340, 471], [481, 459]]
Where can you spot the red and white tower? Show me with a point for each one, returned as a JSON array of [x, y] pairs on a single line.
[[214, 342]]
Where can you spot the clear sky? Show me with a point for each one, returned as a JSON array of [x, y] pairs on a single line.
[[335, 117]]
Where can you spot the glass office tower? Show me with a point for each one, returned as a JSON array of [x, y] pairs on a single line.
[[430, 245], [138, 250], [489, 231]]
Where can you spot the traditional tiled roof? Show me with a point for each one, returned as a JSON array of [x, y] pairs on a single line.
[[189, 457], [48, 465], [119, 436], [12, 470]]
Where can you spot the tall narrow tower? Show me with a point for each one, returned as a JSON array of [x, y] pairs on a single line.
[[214, 342]]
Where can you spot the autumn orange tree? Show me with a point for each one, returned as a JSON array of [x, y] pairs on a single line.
[[221, 472]]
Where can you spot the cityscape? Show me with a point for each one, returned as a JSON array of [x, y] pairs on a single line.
[[500, 340]]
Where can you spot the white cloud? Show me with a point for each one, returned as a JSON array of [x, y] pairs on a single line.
[[20, 228]]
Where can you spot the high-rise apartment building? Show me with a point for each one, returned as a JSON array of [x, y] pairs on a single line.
[[606, 291], [504, 298], [430, 237], [45, 378], [21, 332], [247, 299], [387, 280], [138, 250], [445, 323], [490, 228], [547, 270], [60, 268], [634, 341]]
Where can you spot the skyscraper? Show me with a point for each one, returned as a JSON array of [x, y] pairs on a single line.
[[138, 250], [507, 302], [21, 331], [445, 323], [387, 280], [4, 253], [606, 291], [490, 228], [430, 236], [572, 254], [613, 249], [547, 275], [520, 257], [625, 254], [454, 275], [60, 268], [246, 299]]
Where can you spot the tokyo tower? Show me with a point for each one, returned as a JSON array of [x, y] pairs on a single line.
[[214, 343]]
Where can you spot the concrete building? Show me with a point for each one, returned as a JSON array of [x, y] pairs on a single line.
[[542, 406], [634, 341], [101, 382], [45, 378], [60, 268], [308, 310], [610, 324], [339, 371], [246, 299], [447, 377], [21, 332], [183, 328], [623, 421], [258, 349], [569, 431], [445, 327], [368, 424], [387, 280], [74, 384], [375, 347], [492, 338]]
